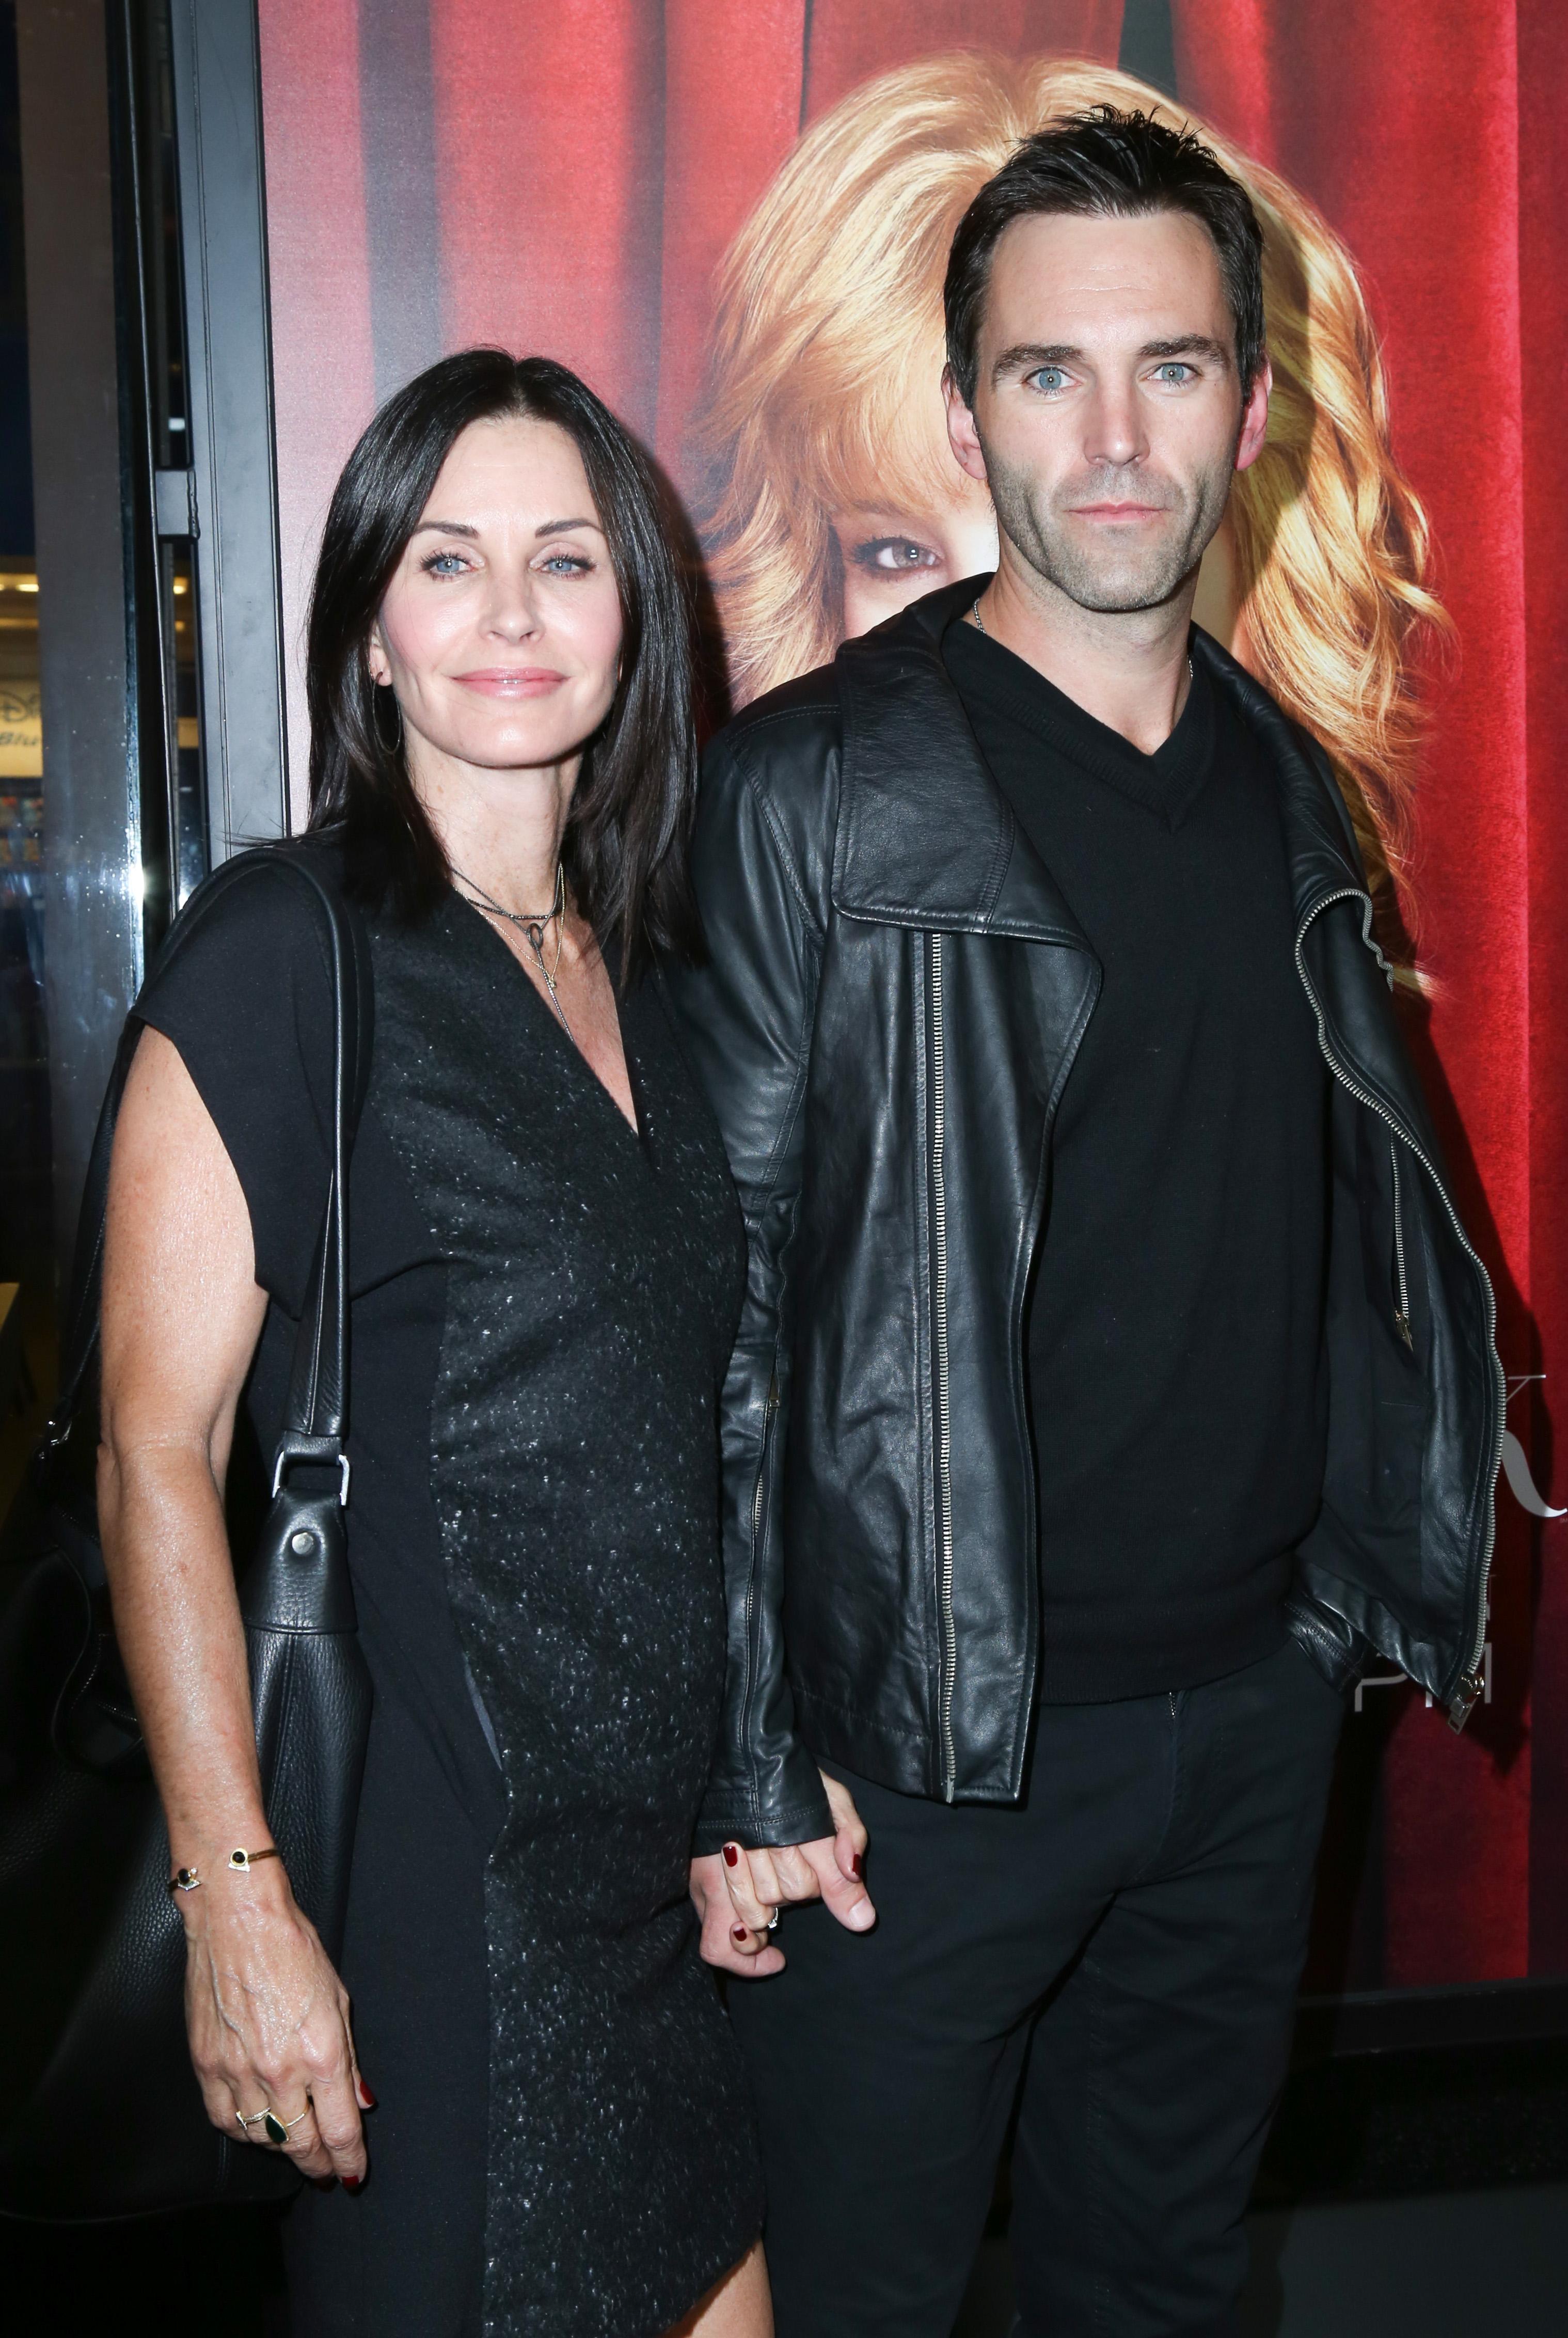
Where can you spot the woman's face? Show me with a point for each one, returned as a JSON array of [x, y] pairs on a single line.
[[501, 629], [892, 554]]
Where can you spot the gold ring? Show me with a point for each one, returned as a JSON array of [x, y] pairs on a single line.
[[254, 2119], [279, 2131]]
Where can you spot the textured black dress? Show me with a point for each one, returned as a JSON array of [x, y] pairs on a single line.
[[543, 1302]]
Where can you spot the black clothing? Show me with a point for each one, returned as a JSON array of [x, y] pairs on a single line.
[[895, 998], [1174, 1325], [542, 1303], [1150, 2050]]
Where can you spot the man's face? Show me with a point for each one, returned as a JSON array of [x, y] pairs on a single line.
[[1108, 417]]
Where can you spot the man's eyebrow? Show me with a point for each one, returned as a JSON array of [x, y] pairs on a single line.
[[1024, 354], [1189, 345]]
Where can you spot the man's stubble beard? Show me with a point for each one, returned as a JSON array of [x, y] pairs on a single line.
[[1119, 580]]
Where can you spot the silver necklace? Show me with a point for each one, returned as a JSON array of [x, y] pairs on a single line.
[[531, 923], [980, 628]]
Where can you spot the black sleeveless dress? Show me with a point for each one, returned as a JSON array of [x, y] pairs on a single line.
[[543, 1305]]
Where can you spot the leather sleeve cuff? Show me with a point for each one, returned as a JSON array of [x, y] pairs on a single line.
[[1337, 1649], [754, 1829]]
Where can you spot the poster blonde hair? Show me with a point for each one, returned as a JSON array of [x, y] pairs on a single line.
[[825, 353]]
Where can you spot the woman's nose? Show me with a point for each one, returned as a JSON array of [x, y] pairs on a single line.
[[511, 611]]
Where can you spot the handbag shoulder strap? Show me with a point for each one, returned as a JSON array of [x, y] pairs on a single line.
[[316, 1419]]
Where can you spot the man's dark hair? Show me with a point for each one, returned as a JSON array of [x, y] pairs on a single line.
[[626, 835], [1107, 164]]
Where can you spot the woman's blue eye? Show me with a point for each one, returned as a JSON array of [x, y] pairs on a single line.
[[568, 564], [445, 563]]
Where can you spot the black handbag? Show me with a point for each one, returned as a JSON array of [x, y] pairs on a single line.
[[99, 2111]]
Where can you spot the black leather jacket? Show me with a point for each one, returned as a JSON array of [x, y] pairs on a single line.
[[894, 999]]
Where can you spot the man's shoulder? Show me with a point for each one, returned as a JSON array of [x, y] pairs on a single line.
[[790, 739]]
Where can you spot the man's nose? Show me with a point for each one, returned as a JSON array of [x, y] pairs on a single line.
[[1114, 431]]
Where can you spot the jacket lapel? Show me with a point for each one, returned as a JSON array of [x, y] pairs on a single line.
[[925, 837]]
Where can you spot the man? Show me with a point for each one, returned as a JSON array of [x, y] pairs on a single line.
[[1115, 1374]]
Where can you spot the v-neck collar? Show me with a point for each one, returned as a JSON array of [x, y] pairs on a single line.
[[638, 1135], [1166, 784]]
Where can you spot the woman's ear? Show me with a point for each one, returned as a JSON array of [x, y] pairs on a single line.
[[378, 663]]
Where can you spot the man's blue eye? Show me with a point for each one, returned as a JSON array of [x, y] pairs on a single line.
[[1175, 372], [1048, 377]]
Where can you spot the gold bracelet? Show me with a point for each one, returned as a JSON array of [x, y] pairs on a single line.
[[241, 1862]]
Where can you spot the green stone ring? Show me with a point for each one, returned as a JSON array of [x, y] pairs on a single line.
[[274, 2129]]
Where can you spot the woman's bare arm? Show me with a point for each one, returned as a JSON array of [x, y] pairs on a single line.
[[183, 1311]]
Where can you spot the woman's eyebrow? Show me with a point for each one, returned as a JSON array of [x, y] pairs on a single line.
[[560, 526], [445, 527]]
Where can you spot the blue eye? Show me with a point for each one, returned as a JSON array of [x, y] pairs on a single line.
[[1047, 378], [566, 564], [1173, 372], [443, 563]]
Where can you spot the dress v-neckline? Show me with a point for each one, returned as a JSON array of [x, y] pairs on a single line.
[[636, 1130]]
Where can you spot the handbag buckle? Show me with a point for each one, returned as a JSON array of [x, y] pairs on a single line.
[[282, 1465]]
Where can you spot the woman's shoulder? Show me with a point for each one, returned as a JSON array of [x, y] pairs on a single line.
[[243, 986], [254, 934]]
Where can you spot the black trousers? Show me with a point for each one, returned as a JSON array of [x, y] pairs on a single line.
[[1119, 1958]]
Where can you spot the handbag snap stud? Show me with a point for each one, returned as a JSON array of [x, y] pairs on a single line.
[[302, 1542]]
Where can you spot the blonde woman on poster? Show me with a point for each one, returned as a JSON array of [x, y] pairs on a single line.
[[832, 498]]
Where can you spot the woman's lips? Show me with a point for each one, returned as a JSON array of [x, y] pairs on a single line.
[[511, 681]]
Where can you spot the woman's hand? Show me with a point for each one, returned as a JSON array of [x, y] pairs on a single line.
[[269, 2025], [735, 1934]]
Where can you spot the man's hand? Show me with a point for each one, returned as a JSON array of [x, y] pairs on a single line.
[[736, 1890]]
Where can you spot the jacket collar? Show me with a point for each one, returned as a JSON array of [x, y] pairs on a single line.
[[1320, 847], [926, 836]]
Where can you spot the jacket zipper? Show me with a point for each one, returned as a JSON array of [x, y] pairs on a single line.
[[1402, 1314], [767, 1410], [1469, 1681], [944, 1426]]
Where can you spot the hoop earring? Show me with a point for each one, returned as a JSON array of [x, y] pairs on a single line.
[[389, 748]]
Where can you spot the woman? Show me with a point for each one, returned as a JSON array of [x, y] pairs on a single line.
[[546, 1263], [833, 499]]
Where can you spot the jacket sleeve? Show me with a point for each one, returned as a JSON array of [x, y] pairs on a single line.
[[747, 1017]]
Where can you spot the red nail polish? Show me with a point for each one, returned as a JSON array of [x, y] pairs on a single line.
[[369, 2098], [352, 2182], [731, 1854], [738, 1933], [858, 1868]]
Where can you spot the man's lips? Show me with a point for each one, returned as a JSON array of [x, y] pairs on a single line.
[[1117, 511], [511, 681]]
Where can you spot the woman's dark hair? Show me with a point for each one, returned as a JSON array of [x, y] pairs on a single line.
[[1107, 164], [625, 844]]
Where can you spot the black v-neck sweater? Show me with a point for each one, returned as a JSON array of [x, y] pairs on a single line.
[[1175, 1324]]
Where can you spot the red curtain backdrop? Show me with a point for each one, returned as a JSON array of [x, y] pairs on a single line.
[[569, 178]]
